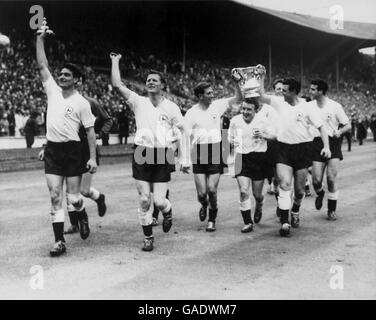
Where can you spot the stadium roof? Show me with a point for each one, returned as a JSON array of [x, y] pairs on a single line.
[[359, 30]]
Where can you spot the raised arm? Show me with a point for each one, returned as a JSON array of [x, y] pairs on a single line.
[[264, 98], [238, 95], [41, 54], [115, 76]]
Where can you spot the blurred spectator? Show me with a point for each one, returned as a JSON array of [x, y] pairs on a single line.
[[31, 128], [41, 121], [347, 135], [12, 122], [372, 125], [123, 124], [361, 129], [20, 119], [354, 122], [4, 125]]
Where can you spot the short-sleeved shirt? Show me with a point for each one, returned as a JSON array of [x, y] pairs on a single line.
[[65, 116], [332, 115], [204, 126], [242, 133], [156, 126], [295, 122]]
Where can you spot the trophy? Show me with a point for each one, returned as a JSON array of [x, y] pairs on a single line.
[[249, 79]]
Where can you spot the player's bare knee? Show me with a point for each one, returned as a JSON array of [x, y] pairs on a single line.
[[331, 176], [55, 194], [258, 197], [160, 202], [76, 200], [244, 194], [212, 194], [299, 195], [316, 182], [144, 202], [201, 197], [285, 186], [86, 192]]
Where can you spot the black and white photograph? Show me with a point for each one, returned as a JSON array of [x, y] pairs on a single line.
[[201, 153]]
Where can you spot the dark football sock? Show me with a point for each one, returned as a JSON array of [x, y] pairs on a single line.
[[332, 205], [246, 214], [284, 216], [148, 230], [212, 214], [58, 228]]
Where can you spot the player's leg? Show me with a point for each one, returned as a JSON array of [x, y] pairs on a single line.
[[75, 199], [285, 174], [257, 187], [308, 183], [156, 210], [300, 178], [162, 204], [245, 203], [332, 170], [73, 218], [318, 169], [212, 183], [90, 192], [202, 194], [55, 187], [145, 213]]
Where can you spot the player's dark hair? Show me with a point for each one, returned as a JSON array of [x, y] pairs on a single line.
[[294, 85], [160, 74], [276, 81], [76, 70], [253, 101], [200, 88], [321, 85]]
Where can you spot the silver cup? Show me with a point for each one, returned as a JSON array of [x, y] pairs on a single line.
[[249, 79]]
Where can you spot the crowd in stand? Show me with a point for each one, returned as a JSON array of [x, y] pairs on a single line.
[[22, 93]]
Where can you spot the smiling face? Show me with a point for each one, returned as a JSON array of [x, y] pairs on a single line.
[[153, 83], [248, 111], [278, 89], [314, 92], [65, 79], [207, 97], [287, 94]]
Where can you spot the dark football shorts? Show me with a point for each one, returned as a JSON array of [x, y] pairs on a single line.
[[64, 159], [254, 165], [271, 151], [152, 164], [335, 149], [207, 158], [298, 156]]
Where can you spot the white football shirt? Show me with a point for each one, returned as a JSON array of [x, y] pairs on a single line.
[[204, 126], [295, 121], [65, 116], [156, 126], [242, 134], [332, 115]]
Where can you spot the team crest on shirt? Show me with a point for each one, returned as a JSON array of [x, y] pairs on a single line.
[[255, 131], [299, 116], [329, 116], [68, 111], [164, 120]]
